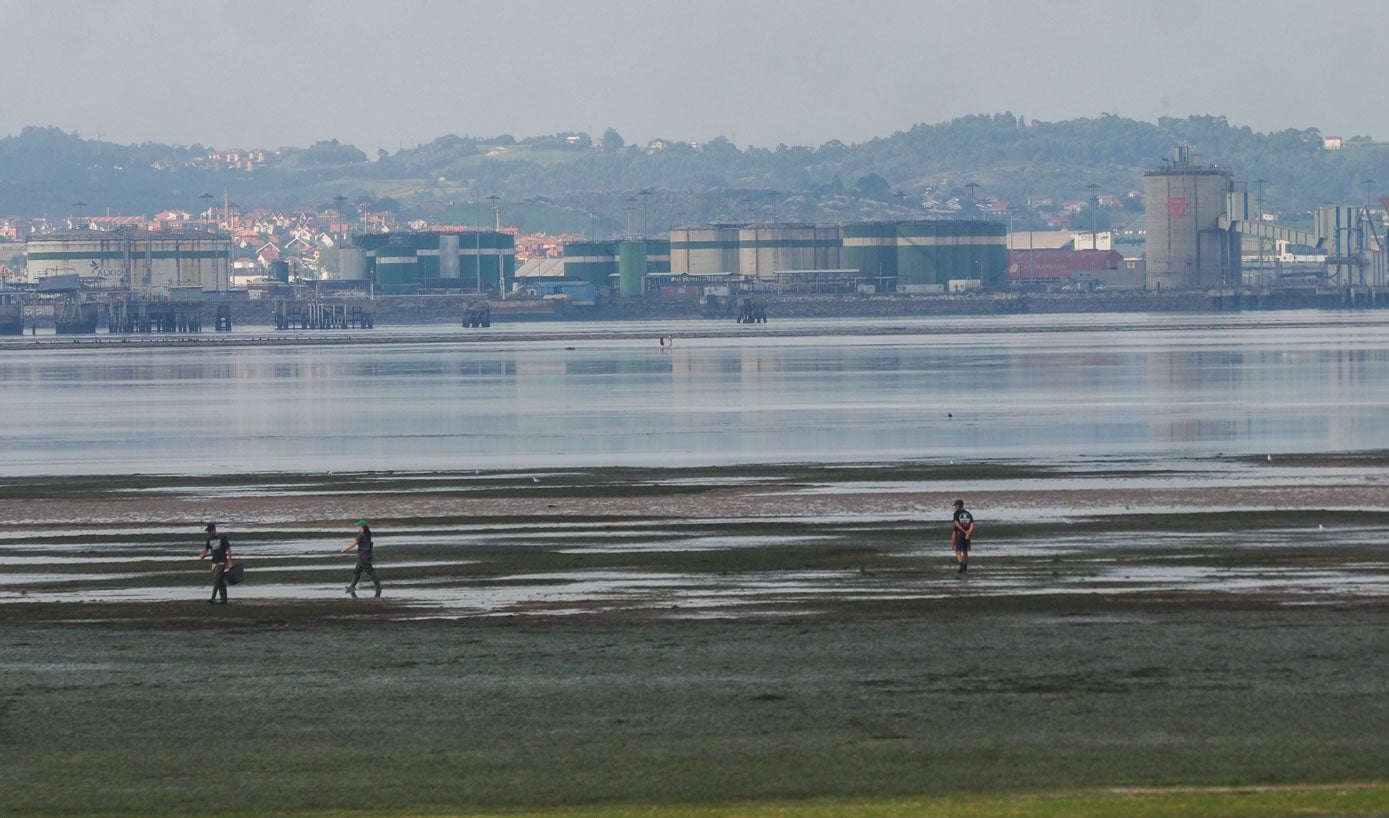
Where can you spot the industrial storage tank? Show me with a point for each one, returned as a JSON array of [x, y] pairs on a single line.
[[448, 256], [704, 250], [931, 254], [408, 261], [631, 268], [139, 261], [497, 261], [871, 248], [396, 268], [658, 256], [765, 250], [591, 261], [1186, 247], [352, 263]]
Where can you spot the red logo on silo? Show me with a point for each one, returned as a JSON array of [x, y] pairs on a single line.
[[1176, 207]]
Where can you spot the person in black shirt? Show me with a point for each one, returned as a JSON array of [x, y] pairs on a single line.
[[363, 545], [961, 532], [219, 548]]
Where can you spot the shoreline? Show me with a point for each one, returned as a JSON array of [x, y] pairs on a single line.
[[457, 535], [423, 320]]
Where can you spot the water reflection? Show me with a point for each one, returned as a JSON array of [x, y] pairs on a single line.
[[1106, 386]]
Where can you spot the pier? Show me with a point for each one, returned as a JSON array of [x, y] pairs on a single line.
[[320, 315]]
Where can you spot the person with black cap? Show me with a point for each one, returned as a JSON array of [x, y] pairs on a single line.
[[219, 548], [961, 532], [363, 545]]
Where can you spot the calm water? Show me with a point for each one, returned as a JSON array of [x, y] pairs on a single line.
[[1048, 388]]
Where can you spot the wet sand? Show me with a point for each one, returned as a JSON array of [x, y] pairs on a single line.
[[637, 636], [715, 542]]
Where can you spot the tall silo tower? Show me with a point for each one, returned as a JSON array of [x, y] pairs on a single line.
[[1186, 246]]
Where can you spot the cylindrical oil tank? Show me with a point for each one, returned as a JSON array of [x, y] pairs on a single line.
[[704, 250], [353, 263], [591, 261], [487, 259], [765, 250], [631, 268], [931, 254], [871, 248], [1186, 248], [396, 268], [657, 255], [448, 256], [135, 260]]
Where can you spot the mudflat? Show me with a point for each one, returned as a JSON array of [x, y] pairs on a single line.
[[634, 639]]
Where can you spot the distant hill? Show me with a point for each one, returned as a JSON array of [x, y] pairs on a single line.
[[561, 183]]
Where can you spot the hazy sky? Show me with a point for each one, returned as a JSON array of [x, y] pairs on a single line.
[[398, 73]]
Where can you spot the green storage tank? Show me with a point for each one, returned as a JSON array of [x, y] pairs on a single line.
[[488, 255], [658, 255], [934, 253], [631, 268], [871, 248], [396, 268], [592, 261]]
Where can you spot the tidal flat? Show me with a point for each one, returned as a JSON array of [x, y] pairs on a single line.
[[629, 638]]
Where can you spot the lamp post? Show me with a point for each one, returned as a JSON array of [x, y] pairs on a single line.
[[207, 209], [477, 242], [497, 226], [338, 200], [645, 194], [79, 206], [1094, 216]]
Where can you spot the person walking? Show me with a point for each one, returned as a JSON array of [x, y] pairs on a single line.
[[363, 545], [218, 547], [961, 532]]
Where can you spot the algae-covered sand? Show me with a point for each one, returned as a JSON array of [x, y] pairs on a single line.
[[655, 638]]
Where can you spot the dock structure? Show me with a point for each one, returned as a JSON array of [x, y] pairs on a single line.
[[319, 315], [752, 311], [74, 317], [139, 316], [1350, 297], [478, 314], [11, 315]]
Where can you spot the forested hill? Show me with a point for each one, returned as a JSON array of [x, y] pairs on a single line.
[[562, 182]]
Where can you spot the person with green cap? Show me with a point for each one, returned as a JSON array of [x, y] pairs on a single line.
[[363, 545]]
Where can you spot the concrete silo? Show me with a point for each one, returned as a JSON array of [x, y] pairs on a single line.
[[1186, 246]]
